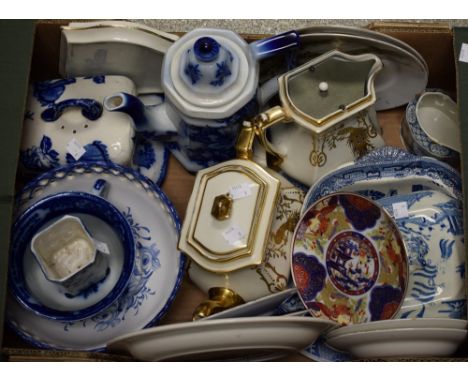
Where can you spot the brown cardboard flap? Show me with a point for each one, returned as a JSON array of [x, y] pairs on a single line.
[[432, 41]]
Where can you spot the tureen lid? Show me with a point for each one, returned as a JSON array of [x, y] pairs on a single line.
[[209, 73], [229, 216]]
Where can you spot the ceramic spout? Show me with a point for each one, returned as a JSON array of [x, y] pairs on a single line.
[[271, 46], [147, 119]]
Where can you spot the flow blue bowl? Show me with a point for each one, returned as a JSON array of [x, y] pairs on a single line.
[[29, 285]]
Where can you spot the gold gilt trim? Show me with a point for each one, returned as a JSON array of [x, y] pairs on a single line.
[[247, 249], [385, 27]]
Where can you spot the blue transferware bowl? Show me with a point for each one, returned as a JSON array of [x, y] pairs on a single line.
[[104, 222]]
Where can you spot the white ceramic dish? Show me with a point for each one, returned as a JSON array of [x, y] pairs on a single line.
[[402, 323], [225, 339], [405, 72], [158, 271], [151, 158], [401, 342], [115, 47], [385, 172], [433, 235], [261, 307]]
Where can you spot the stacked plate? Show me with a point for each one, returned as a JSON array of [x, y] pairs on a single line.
[[424, 337]]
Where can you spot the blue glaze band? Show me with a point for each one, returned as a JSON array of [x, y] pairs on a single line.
[[36, 216], [271, 46], [90, 109], [206, 49]]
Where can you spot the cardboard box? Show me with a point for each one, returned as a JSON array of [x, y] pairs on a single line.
[[435, 42]]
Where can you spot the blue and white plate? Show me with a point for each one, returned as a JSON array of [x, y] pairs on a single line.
[[386, 172], [157, 274], [151, 159], [433, 233]]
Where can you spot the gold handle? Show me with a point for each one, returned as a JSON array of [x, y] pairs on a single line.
[[257, 127], [219, 299]]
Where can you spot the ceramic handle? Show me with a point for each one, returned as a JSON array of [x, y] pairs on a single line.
[[271, 46], [258, 126], [90, 108]]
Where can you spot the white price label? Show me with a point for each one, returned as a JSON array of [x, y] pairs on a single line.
[[75, 149], [233, 234], [101, 247], [400, 210], [464, 53], [240, 191]]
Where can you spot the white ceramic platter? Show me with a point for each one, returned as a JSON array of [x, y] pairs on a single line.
[[115, 47], [225, 339], [433, 235], [403, 323], [405, 72], [402, 342], [158, 271], [261, 307], [386, 172]]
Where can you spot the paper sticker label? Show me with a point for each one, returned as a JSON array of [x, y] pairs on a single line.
[[400, 210], [233, 235], [240, 191], [464, 53], [75, 149], [101, 247]]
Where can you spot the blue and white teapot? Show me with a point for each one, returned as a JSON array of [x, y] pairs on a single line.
[[210, 81]]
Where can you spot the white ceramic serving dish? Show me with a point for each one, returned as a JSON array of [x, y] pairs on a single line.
[[244, 339]]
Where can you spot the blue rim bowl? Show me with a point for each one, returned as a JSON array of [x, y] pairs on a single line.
[[52, 207]]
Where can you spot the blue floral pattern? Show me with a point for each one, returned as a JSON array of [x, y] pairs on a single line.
[[144, 155], [40, 158], [193, 71], [222, 71], [47, 92], [97, 79]]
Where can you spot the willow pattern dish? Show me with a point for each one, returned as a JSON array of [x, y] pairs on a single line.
[[402, 342], [385, 172], [433, 234], [348, 260], [250, 338], [158, 270]]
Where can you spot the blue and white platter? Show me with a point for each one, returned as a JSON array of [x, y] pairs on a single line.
[[386, 172], [159, 267], [151, 159]]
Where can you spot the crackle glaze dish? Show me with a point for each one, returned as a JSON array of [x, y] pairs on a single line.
[[348, 260], [433, 234], [158, 270], [236, 339], [385, 172]]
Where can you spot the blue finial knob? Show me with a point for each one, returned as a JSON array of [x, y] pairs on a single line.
[[206, 49]]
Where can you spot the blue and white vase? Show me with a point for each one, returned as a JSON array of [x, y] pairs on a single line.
[[210, 80]]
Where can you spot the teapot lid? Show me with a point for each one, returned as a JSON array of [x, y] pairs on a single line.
[[329, 89], [229, 216], [209, 73]]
